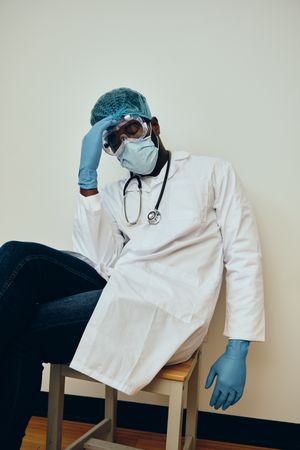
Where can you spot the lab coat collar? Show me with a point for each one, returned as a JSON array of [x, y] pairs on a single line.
[[148, 182]]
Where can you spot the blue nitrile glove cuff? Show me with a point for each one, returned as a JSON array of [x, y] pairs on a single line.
[[237, 348], [87, 179]]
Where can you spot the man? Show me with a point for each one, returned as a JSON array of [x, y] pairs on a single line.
[[163, 257], [153, 245]]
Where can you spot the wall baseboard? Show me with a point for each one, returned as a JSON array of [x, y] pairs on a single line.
[[217, 427]]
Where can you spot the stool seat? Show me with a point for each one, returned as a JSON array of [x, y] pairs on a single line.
[[177, 372], [177, 381]]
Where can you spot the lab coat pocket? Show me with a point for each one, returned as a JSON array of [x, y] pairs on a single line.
[[172, 290], [188, 201]]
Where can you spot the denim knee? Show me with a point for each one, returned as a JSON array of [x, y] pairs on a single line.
[[13, 246], [20, 249]]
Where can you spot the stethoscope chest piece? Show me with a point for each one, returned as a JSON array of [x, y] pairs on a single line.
[[154, 217]]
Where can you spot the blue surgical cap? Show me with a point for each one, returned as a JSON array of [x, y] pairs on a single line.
[[118, 103]]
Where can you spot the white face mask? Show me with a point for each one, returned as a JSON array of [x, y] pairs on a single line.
[[139, 156]]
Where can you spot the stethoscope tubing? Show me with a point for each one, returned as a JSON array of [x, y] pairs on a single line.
[[124, 198], [155, 214]]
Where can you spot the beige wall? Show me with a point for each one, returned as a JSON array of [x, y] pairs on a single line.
[[223, 79]]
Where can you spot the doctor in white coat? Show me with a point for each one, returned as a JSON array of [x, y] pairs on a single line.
[[161, 237]]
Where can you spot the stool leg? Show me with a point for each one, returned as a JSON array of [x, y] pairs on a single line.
[[175, 416], [192, 404], [111, 398], [55, 408]]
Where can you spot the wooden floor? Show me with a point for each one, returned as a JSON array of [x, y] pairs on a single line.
[[36, 437]]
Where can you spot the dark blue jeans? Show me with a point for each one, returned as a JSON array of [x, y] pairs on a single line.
[[46, 300]]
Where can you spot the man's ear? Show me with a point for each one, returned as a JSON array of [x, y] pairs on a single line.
[[155, 125]]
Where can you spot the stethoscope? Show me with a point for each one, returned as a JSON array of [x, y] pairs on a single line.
[[153, 216]]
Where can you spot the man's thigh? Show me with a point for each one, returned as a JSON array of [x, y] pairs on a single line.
[[57, 327]]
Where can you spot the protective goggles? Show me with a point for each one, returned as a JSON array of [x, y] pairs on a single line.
[[129, 128]]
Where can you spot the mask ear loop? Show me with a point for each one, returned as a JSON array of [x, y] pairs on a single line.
[[156, 137]]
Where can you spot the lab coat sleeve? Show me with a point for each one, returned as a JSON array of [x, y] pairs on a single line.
[[96, 234], [242, 257]]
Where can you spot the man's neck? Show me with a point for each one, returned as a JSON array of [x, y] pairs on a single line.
[[161, 161]]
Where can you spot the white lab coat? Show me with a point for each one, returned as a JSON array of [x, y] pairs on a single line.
[[164, 279]]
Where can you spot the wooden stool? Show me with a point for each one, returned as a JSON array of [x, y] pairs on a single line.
[[174, 381]]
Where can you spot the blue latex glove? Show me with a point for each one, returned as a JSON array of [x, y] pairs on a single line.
[[230, 370], [91, 149]]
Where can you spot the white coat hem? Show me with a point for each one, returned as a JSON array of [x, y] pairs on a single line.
[[122, 387]]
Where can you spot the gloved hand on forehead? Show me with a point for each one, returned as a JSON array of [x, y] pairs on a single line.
[[230, 370], [91, 149]]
